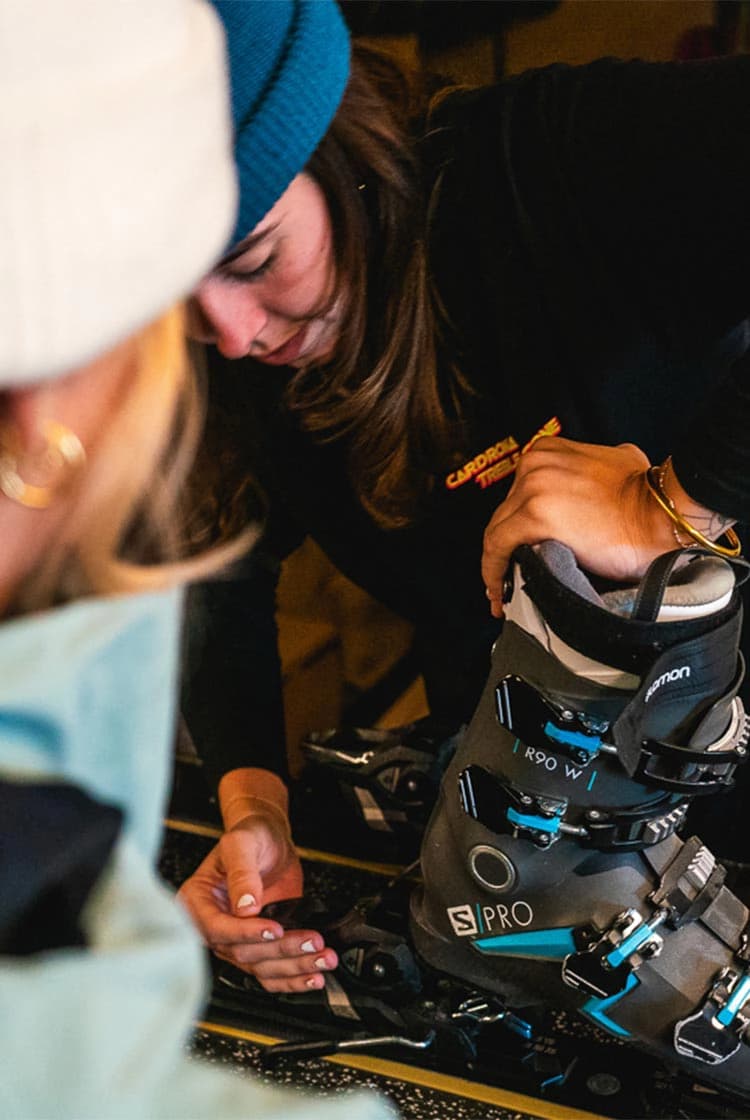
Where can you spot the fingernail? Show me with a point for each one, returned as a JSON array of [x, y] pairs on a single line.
[[313, 982], [321, 962], [268, 935], [307, 947], [245, 901]]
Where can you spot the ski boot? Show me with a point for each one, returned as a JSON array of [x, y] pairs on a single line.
[[553, 874]]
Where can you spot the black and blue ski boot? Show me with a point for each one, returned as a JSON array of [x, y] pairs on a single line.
[[553, 872]]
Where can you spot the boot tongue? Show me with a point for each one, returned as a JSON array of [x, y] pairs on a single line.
[[690, 587]]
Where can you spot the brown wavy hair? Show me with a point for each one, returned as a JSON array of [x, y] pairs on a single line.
[[381, 390]]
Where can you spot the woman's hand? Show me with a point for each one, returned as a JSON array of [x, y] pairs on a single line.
[[590, 497], [255, 863], [246, 870]]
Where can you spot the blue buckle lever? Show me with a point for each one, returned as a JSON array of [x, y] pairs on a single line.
[[714, 1032], [539, 722], [604, 969]]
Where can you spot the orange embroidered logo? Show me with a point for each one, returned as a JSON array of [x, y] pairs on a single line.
[[499, 460]]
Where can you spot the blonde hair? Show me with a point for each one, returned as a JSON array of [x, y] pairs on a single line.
[[126, 529]]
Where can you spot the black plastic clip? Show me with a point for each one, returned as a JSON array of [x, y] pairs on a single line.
[[604, 969], [687, 769], [629, 830], [715, 1032]]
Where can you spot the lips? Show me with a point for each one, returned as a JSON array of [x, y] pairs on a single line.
[[286, 354]]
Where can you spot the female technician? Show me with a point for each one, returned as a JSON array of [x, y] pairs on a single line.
[[446, 321]]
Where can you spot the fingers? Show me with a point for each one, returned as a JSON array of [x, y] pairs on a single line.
[[206, 895], [578, 493], [209, 907], [518, 520], [282, 960], [216, 896], [501, 538], [244, 890], [294, 963], [515, 522], [252, 854]]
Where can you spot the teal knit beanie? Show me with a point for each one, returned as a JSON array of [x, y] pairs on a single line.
[[289, 64]]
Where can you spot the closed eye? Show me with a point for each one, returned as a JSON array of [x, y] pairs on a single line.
[[247, 276]]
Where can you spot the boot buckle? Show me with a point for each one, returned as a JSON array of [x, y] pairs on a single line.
[[714, 1032], [504, 808], [538, 722], [605, 968]]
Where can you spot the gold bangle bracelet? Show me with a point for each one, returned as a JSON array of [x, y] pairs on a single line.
[[654, 477]]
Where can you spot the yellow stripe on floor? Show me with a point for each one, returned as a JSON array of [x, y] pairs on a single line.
[[196, 829]]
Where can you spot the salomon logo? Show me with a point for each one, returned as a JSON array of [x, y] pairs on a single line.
[[468, 920], [667, 678], [462, 920]]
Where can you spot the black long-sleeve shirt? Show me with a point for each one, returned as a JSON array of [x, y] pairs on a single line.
[[591, 243]]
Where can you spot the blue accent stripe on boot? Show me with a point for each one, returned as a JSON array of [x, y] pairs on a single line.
[[556, 944], [547, 944], [596, 1009]]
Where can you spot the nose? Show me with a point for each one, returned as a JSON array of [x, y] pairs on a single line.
[[226, 314]]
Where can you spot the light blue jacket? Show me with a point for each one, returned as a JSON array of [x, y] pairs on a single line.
[[87, 696]]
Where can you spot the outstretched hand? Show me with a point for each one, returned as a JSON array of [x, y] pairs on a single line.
[[590, 497], [251, 865]]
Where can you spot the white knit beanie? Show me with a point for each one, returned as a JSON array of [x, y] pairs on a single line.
[[117, 188]]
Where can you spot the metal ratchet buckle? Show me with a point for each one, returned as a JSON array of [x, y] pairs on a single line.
[[502, 808], [715, 1031], [606, 967], [538, 722]]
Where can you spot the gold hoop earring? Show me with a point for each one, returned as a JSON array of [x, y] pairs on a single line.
[[63, 456]]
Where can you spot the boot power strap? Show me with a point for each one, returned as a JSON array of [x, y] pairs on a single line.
[[689, 770], [706, 763]]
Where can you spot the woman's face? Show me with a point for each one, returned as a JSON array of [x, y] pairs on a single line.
[[269, 298]]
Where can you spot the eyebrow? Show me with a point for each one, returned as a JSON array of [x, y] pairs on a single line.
[[247, 243]]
